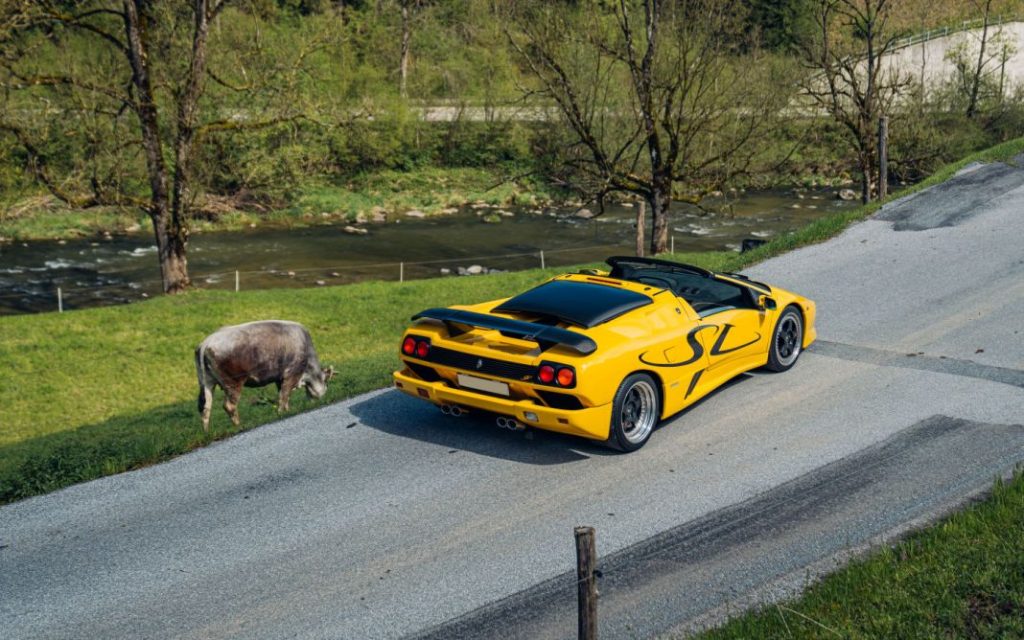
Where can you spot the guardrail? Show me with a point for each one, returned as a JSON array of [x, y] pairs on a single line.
[[948, 30]]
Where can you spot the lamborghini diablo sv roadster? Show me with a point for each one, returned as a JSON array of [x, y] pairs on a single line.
[[603, 355]]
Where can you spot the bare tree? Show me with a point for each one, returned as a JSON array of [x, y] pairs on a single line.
[[660, 98], [147, 62], [849, 79]]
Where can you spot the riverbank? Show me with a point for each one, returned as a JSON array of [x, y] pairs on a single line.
[[82, 401], [372, 197]]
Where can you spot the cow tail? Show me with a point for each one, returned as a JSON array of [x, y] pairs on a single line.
[[201, 375]]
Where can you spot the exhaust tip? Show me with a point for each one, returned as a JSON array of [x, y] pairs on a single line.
[[445, 409], [455, 411]]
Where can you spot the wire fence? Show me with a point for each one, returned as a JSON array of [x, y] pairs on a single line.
[[942, 32], [58, 297]]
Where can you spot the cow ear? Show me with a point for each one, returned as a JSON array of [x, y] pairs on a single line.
[[328, 373]]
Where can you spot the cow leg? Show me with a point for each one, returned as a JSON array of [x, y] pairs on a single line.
[[231, 395], [285, 388], [205, 405]]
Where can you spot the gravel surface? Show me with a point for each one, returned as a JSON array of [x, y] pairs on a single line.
[[379, 517]]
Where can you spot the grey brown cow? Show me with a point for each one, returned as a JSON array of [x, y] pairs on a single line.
[[254, 355]]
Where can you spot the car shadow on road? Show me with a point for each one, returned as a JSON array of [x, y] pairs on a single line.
[[397, 414]]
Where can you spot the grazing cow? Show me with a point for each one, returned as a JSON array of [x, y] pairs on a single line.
[[254, 355]]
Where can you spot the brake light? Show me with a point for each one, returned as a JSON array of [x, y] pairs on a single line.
[[546, 374], [409, 346], [566, 377], [422, 348]]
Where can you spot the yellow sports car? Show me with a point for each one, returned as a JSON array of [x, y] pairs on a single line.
[[603, 355]]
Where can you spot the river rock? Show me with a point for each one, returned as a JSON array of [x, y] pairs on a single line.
[[491, 218], [415, 213], [133, 228], [320, 283], [449, 211], [291, 274], [846, 194], [505, 214], [355, 231], [628, 205], [361, 218], [335, 274], [584, 214], [445, 271], [474, 270]]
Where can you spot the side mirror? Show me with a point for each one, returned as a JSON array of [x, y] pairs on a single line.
[[766, 303]]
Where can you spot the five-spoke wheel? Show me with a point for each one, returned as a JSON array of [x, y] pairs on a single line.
[[787, 340], [635, 412]]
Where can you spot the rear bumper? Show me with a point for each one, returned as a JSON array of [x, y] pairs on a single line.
[[592, 422]]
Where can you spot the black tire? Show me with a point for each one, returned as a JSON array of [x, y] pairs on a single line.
[[635, 412], [787, 340]]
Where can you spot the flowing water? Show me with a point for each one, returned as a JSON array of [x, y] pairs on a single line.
[[124, 269]]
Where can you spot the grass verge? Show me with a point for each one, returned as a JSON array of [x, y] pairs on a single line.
[[101, 391], [962, 578]]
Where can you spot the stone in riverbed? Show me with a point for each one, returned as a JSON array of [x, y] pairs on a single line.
[[584, 214], [505, 214], [320, 283], [491, 218], [355, 231], [445, 271], [415, 213], [846, 194], [474, 270]]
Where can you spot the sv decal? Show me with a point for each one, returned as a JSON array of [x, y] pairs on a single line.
[[717, 350], [695, 345], [698, 348]]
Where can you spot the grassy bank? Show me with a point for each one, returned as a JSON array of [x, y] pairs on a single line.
[[430, 190], [963, 578], [100, 391]]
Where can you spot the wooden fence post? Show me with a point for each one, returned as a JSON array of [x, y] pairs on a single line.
[[542, 265], [401, 272], [641, 213], [237, 282], [883, 157], [60, 301], [586, 583]]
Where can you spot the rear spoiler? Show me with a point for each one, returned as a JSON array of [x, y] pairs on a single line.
[[544, 335]]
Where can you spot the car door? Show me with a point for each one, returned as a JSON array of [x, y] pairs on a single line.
[[738, 331]]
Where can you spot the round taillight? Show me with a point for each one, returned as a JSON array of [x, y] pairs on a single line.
[[422, 349], [546, 374], [409, 346], [566, 377]]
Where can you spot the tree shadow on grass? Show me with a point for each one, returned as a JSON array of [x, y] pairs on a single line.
[[395, 413]]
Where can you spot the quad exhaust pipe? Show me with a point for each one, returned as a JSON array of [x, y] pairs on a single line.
[[453, 410], [510, 423]]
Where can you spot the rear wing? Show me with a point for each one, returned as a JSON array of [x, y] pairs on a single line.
[[544, 335]]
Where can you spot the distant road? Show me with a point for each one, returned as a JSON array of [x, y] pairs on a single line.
[[381, 518]]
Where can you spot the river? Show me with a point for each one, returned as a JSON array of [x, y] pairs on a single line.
[[121, 269]]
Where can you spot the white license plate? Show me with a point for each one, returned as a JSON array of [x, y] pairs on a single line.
[[480, 384]]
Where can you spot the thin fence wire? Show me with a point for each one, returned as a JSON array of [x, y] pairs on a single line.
[[394, 270]]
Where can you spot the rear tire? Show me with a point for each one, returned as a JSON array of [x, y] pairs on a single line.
[[787, 340], [635, 412]]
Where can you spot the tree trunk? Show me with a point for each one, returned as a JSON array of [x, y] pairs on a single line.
[[171, 252], [659, 199], [170, 245], [403, 68], [864, 160], [972, 105]]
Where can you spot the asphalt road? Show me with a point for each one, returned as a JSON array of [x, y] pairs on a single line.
[[379, 517]]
